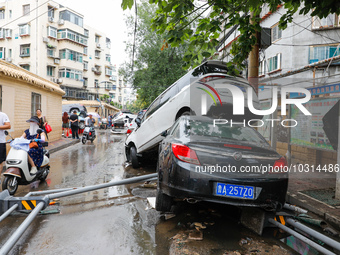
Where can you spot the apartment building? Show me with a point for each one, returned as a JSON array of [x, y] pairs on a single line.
[[302, 53], [52, 41]]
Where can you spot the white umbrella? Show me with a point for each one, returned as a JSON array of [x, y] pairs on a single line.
[[94, 114]]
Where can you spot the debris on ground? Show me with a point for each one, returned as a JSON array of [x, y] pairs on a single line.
[[196, 235], [152, 201], [169, 216]]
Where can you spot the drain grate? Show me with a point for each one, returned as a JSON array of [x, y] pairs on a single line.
[[326, 196]]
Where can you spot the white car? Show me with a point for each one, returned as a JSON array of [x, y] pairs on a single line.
[[202, 91]]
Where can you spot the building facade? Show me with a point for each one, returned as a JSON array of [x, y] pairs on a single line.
[[22, 93], [53, 42]]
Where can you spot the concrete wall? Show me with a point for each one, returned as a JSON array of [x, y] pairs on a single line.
[[16, 103]]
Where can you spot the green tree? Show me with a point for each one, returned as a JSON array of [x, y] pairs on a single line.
[[174, 17], [156, 65]]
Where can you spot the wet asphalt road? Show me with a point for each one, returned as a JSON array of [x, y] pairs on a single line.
[[119, 220]]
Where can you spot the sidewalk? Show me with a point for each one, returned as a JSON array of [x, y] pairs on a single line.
[[316, 194], [61, 144]]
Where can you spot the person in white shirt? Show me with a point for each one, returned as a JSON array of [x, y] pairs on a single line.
[[4, 124]]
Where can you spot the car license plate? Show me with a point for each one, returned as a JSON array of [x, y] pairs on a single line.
[[232, 190]]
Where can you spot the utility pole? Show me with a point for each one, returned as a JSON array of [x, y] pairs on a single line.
[[253, 63]]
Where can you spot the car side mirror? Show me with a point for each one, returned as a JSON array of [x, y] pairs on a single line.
[[6, 132], [164, 133], [138, 121], [39, 131]]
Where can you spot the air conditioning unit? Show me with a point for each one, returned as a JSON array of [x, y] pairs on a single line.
[[45, 39], [85, 85], [98, 45], [94, 69], [61, 22], [51, 19], [59, 81], [54, 80], [56, 61], [9, 59]]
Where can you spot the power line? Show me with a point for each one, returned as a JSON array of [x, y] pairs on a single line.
[[28, 12]]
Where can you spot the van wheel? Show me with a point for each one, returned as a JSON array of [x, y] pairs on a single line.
[[133, 157]]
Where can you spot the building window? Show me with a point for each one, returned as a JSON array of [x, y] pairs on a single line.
[[50, 70], [96, 84], [70, 73], [2, 33], [86, 32], [276, 33], [73, 36], [8, 33], [97, 38], [274, 63], [25, 50], [25, 66], [2, 53], [108, 43], [108, 71], [52, 32], [26, 9], [86, 65], [36, 103], [318, 53], [10, 14], [24, 29], [71, 17], [332, 20], [71, 55], [97, 53], [2, 14], [262, 67], [85, 50], [108, 58], [50, 52], [85, 82], [9, 53], [51, 12]]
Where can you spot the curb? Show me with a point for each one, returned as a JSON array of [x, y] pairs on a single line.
[[63, 146], [313, 207]]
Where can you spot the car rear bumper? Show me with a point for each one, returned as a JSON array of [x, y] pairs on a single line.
[[182, 183]]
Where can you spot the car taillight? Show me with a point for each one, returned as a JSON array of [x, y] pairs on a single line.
[[279, 166], [130, 124], [184, 153], [128, 131]]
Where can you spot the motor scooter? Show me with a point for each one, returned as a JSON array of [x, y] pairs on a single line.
[[88, 134], [18, 168]]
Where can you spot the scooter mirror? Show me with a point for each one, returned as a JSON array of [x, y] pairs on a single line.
[[6, 132], [39, 131]]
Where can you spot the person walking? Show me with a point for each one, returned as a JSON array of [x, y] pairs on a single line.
[[4, 124], [42, 120], [110, 120], [74, 119], [65, 124]]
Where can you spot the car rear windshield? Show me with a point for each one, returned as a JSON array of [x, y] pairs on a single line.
[[225, 131]]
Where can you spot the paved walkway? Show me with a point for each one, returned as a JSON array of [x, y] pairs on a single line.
[[317, 184], [61, 144]]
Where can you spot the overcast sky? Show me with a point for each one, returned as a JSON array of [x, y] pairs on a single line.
[[108, 17]]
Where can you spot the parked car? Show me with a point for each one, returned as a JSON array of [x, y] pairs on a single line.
[[195, 157], [81, 111], [120, 126], [184, 98]]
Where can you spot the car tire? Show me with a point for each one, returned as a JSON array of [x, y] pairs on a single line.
[[163, 202], [81, 125], [133, 157]]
